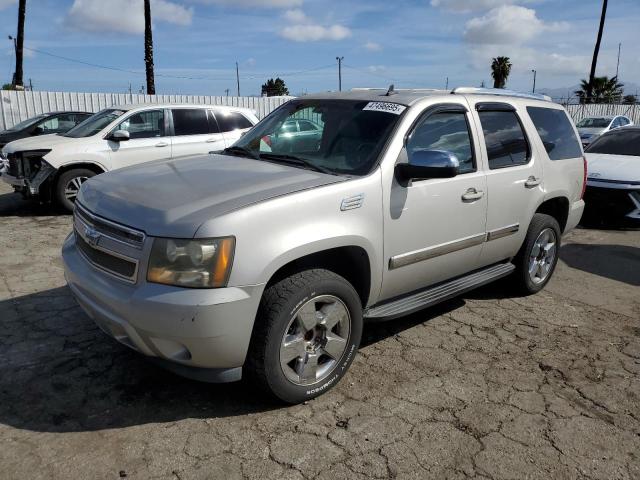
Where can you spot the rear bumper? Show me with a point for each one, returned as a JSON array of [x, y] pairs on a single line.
[[575, 214], [198, 333]]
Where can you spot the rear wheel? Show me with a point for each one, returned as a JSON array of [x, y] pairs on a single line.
[[306, 335], [538, 257], [69, 184]]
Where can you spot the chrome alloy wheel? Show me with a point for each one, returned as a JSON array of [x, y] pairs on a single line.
[[72, 187], [542, 256], [315, 340]]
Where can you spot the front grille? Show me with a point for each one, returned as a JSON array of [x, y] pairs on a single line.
[[101, 259], [110, 229], [610, 202]]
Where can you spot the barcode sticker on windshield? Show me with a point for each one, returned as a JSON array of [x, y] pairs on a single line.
[[388, 107]]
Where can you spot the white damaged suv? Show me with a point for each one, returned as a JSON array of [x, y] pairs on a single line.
[[266, 260], [53, 167]]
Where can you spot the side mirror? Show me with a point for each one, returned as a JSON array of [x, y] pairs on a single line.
[[120, 136], [425, 164], [37, 131]]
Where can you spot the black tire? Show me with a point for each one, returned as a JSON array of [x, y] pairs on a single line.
[[64, 180], [523, 280], [276, 314]]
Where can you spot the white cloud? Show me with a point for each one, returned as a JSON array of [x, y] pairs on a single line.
[[507, 25], [376, 68], [125, 16], [464, 6], [314, 33], [372, 46], [296, 16], [254, 3], [7, 3]]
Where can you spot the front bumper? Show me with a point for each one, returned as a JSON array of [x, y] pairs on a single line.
[[615, 203], [198, 333]]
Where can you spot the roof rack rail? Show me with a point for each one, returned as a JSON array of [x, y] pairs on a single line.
[[360, 89], [499, 91]]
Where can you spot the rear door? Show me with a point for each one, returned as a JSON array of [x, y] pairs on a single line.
[[148, 139], [232, 124], [195, 132], [514, 178]]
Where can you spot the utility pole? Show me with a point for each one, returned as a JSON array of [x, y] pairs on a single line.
[[148, 49], [238, 78], [535, 72], [618, 64], [19, 44], [339, 59], [446, 85], [226, 91]]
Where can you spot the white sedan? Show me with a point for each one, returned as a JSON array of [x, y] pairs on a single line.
[[613, 184]]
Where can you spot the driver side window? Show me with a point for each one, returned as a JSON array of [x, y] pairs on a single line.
[[446, 131], [148, 124]]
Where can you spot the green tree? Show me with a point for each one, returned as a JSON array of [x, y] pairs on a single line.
[[600, 90], [629, 99], [274, 88], [500, 70], [148, 49]]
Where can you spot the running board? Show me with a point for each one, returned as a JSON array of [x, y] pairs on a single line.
[[437, 294]]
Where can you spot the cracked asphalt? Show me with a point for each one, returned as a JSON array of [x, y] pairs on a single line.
[[486, 386]]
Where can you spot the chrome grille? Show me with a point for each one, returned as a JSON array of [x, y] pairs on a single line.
[[113, 230]]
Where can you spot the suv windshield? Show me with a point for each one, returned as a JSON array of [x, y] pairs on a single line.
[[617, 143], [94, 123], [26, 123], [347, 137], [594, 123]]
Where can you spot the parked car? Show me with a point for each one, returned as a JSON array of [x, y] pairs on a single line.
[[44, 124], [592, 127], [295, 134], [613, 185], [265, 263], [53, 167]]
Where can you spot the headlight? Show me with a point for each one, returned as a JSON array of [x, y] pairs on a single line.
[[203, 263]]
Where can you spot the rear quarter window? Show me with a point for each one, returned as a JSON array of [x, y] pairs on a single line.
[[230, 121], [555, 130]]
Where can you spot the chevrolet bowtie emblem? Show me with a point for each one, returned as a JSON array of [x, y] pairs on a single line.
[[92, 236]]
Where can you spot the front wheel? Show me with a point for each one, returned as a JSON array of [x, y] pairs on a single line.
[[307, 333], [538, 257], [69, 184]]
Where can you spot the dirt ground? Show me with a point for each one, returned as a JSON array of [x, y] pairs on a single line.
[[484, 386]]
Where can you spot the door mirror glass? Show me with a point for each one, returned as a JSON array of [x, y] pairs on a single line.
[[38, 131], [425, 164], [120, 136]]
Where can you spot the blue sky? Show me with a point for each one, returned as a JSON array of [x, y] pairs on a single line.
[[406, 42]]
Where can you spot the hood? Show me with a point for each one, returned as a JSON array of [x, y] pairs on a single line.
[[613, 167], [588, 132], [172, 198], [40, 142], [8, 136]]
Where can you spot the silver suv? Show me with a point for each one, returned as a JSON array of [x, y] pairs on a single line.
[[266, 260]]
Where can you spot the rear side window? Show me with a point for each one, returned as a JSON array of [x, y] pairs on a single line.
[[230, 121], [621, 142], [506, 143], [555, 130], [192, 121]]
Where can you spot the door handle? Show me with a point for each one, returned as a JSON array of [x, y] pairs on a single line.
[[532, 182], [212, 140], [162, 144], [471, 195]]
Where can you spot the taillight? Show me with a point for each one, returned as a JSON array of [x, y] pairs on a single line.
[[584, 178]]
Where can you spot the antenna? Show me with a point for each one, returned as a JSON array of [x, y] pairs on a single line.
[[391, 91]]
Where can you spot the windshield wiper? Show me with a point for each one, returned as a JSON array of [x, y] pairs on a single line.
[[293, 160], [242, 151]]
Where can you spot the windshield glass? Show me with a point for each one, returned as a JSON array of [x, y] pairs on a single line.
[[94, 123], [593, 123], [26, 123], [336, 136], [617, 143]]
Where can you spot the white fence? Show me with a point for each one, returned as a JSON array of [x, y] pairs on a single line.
[[578, 111], [18, 106]]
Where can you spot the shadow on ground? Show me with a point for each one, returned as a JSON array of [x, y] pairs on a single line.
[[617, 262], [13, 204]]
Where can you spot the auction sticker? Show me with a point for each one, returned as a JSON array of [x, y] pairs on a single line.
[[388, 107]]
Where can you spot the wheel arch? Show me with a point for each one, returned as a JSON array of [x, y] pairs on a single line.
[[558, 208]]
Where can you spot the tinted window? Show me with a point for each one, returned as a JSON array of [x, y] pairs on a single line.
[[192, 121], [59, 123], [446, 131], [506, 143], [623, 142], [556, 132], [230, 121], [289, 127], [593, 123], [306, 126], [144, 124], [94, 123]]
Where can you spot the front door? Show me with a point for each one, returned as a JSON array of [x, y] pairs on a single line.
[[148, 139], [435, 228]]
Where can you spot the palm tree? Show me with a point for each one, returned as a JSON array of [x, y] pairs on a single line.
[[600, 90], [148, 49], [22, 9], [596, 51], [500, 70]]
